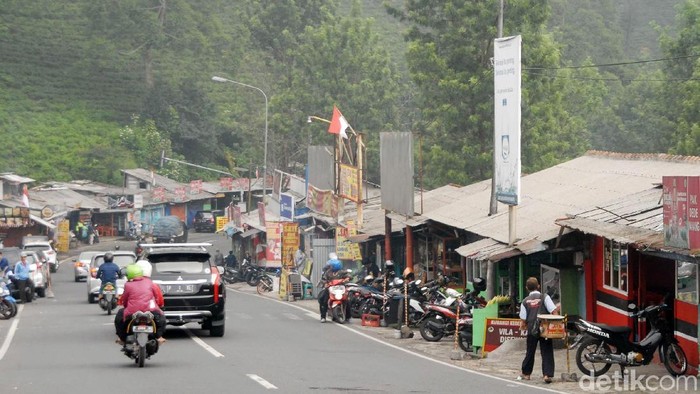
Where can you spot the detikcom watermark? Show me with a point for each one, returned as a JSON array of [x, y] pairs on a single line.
[[631, 381]]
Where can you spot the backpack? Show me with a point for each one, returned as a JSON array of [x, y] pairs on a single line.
[[533, 323]]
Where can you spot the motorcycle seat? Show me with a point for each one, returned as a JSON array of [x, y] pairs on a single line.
[[615, 329]]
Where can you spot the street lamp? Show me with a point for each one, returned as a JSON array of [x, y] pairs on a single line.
[[219, 79]]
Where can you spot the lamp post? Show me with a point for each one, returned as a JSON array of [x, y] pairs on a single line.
[[219, 79]]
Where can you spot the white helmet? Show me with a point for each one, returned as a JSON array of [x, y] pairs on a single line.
[[332, 256], [145, 267]]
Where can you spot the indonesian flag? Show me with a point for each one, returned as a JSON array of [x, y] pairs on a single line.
[[338, 123], [25, 196]]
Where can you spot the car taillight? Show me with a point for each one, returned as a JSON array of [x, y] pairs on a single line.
[[215, 285]]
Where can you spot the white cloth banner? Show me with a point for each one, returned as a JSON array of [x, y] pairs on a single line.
[[506, 83]]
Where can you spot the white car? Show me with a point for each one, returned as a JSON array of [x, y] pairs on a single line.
[[121, 258], [44, 246], [81, 265]]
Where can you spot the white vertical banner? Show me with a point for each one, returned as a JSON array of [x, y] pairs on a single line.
[[506, 84]]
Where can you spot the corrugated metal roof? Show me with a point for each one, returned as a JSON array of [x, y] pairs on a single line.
[[66, 198], [16, 179], [627, 220], [168, 184], [573, 186]]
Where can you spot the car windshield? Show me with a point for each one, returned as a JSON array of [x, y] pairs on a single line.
[[207, 215], [181, 267], [120, 260]]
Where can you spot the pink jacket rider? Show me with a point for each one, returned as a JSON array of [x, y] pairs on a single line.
[[139, 295]]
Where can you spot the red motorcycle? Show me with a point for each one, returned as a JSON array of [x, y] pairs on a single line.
[[338, 299]]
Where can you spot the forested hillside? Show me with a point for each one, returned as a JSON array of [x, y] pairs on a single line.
[[89, 87]]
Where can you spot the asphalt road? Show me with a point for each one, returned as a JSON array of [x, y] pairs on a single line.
[[64, 344]]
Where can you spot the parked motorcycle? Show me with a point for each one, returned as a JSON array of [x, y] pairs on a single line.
[[141, 340], [8, 304], [607, 345], [108, 300], [254, 274]]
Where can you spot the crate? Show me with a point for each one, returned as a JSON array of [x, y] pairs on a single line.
[[370, 320]]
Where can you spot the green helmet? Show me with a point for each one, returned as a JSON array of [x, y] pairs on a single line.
[[133, 271]]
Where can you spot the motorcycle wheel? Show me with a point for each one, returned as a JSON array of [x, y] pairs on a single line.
[[591, 346], [356, 309], [252, 279], [338, 314], [141, 358], [5, 310], [431, 334], [674, 359], [263, 287], [465, 341]]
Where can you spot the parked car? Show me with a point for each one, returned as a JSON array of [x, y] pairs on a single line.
[[49, 252], [121, 257], [81, 265], [169, 229], [206, 220], [192, 285]]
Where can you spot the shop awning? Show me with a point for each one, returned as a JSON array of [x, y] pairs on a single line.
[[250, 232], [42, 221], [407, 221], [487, 249], [358, 238]]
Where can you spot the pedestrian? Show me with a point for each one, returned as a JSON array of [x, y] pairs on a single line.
[[231, 261], [536, 303], [21, 274], [370, 264], [90, 233], [218, 258], [4, 264]]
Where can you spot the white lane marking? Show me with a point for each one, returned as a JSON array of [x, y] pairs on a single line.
[[201, 343], [11, 332], [318, 316], [262, 381], [291, 316]]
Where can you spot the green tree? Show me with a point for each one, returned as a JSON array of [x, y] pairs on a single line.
[[450, 48]]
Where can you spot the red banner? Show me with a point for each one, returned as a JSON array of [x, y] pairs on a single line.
[[158, 194], [180, 194], [501, 330], [273, 250], [675, 196], [196, 186], [226, 183]]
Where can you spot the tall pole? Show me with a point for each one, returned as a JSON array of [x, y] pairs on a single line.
[[219, 79]]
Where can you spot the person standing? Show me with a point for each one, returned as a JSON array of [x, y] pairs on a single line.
[[21, 274], [370, 264], [218, 258], [536, 303], [231, 260]]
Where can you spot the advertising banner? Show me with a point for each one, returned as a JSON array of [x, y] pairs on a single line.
[[273, 250], [345, 249], [221, 222], [286, 206], [693, 212], [501, 330], [226, 183], [323, 201], [675, 211], [158, 194], [290, 242], [63, 243], [349, 183], [196, 186], [506, 81], [180, 194]]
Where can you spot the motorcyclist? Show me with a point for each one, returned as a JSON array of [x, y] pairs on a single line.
[[140, 294], [331, 270], [108, 272]]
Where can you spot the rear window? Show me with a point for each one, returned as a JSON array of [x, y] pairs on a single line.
[[182, 267], [36, 247], [120, 260]]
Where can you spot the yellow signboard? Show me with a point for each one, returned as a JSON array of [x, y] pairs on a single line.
[[221, 222], [349, 183], [290, 242], [345, 249], [63, 243]]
